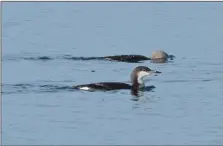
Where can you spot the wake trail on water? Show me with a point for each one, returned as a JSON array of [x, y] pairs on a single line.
[[49, 58], [27, 88]]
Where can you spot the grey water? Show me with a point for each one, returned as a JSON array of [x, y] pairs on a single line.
[[39, 108]]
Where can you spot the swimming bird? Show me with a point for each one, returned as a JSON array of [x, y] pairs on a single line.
[[158, 56], [137, 76]]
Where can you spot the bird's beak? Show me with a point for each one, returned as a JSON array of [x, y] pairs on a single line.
[[154, 72], [158, 72], [171, 57]]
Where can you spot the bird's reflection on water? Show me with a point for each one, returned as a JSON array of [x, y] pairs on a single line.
[[137, 93]]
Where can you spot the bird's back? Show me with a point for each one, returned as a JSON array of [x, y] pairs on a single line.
[[104, 86], [127, 58]]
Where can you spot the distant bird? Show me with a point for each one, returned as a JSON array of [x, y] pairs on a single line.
[[158, 56]]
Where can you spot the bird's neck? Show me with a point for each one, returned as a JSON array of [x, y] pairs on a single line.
[[138, 83]]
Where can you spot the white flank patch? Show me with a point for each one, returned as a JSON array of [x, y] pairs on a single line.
[[84, 88]]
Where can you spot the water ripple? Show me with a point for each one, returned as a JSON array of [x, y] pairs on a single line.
[[49, 58], [26, 88]]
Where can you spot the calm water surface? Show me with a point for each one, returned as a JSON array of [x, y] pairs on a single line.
[[185, 107]]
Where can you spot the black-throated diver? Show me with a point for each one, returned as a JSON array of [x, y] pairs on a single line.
[[158, 56], [137, 76]]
